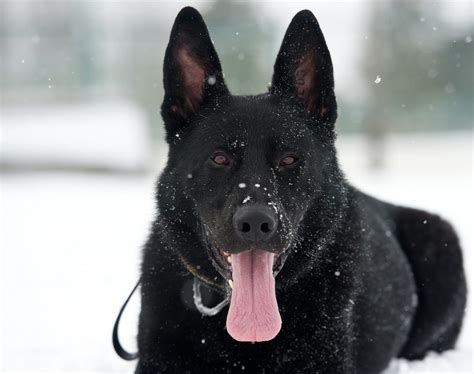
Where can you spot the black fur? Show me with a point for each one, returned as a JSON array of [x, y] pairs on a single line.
[[364, 281]]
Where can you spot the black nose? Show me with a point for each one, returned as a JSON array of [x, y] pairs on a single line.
[[255, 223]]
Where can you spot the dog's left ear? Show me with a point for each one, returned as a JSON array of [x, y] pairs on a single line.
[[303, 68], [192, 73]]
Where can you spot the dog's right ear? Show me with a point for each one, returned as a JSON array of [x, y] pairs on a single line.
[[192, 73]]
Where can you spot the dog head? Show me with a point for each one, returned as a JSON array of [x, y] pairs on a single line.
[[249, 167]]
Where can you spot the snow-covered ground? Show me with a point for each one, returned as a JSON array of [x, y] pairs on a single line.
[[76, 136], [71, 247]]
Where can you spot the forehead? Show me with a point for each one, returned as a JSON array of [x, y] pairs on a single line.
[[252, 120]]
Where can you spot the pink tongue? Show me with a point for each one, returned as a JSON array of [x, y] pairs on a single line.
[[253, 313]]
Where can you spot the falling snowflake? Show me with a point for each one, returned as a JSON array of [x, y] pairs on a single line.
[[450, 88], [211, 80], [377, 79]]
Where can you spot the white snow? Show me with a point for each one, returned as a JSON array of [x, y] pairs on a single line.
[[71, 247], [211, 80], [456, 361], [377, 79], [101, 134]]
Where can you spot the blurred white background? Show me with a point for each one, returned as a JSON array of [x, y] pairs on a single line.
[[82, 144]]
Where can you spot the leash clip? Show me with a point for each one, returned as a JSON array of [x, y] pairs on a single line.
[[206, 311]]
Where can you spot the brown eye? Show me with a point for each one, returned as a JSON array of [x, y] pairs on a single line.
[[220, 159], [288, 161]]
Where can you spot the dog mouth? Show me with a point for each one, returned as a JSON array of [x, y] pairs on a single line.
[[222, 261], [253, 314]]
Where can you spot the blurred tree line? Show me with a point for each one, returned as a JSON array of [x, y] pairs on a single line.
[[55, 51], [420, 72]]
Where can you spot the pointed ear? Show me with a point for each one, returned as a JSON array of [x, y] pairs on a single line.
[[303, 68], [192, 73]]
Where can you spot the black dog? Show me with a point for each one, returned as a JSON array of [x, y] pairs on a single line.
[[253, 189]]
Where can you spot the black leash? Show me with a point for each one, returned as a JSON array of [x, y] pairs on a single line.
[[115, 339], [205, 311]]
